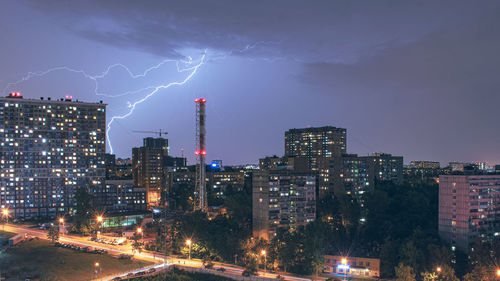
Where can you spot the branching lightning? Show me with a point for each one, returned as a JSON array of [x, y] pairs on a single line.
[[95, 78], [132, 106], [186, 65]]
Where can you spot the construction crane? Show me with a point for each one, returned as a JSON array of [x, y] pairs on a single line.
[[152, 132]]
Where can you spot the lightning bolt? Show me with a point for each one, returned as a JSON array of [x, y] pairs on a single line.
[[95, 78], [132, 106], [185, 65]]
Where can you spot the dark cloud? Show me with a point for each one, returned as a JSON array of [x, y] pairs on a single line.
[[319, 31], [453, 63]]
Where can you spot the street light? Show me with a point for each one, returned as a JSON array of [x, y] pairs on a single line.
[[61, 221], [97, 268], [498, 272], [345, 267], [263, 252], [188, 242], [139, 230], [100, 220], [5, 213], [438, 269]]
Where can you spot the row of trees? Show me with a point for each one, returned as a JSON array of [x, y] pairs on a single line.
[[398, 224]]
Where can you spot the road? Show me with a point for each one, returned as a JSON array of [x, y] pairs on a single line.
[[147, 256]]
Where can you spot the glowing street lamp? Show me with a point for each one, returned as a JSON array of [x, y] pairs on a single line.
[[139, 230], [188, 242], [264, 253], [438, 269], [498, 272], [97, 268], [61, 222], [344, 266], [100, 219]]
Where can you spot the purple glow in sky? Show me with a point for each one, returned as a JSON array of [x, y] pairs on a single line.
[[411, 78]]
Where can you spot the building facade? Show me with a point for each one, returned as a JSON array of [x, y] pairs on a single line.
[[353, 266], [49, 148], [469, 208], [282, 199], [121, 196], [385, 167], [312, 143], [347, 174], [220, 183], [424, 165], [148, 167]]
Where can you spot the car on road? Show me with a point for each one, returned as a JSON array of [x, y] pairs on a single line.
[[151, 270], [140, 273]]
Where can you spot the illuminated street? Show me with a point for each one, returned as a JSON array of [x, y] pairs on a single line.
[[144, 255]]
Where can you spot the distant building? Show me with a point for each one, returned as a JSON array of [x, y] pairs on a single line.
[[216, 165], [282, 199], [148, 167], [277, 163], [457, 166], [423, 171], [49, 149], [385, 167], [483, 166], [347, 174], [354, 266], [270, 162], [355, 175], [312, 143], [123, 169], [469, 207], [179, 186], [424, 165], [121, 196], [219, 183], [110, 166]]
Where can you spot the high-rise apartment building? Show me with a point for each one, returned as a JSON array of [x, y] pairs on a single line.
[[385, 167], [49, 148], [148, 167], [219, 183], [312, 143], [282, 199], [347, 174], [120, 196], [469, 208]]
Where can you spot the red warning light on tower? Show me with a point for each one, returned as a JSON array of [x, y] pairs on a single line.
[[15, 95]]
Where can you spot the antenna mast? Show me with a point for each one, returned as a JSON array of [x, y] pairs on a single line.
[[200, 191]]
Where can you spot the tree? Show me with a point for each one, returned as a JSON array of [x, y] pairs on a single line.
[[482, 273], [251, 267], [136, 244], [53, 234], [404, 273], [447, 274], [83, 210]]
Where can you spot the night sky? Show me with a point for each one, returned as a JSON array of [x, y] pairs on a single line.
[[414, 78]]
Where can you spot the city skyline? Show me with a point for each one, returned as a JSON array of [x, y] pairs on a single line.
[[396, 88]]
